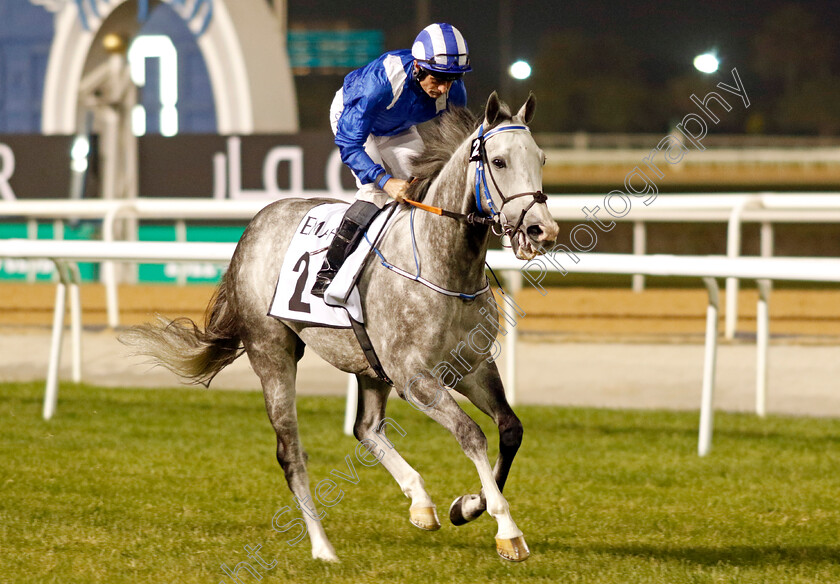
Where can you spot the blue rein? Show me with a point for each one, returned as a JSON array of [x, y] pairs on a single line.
[[417, 277]]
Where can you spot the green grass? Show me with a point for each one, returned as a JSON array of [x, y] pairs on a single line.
[[165, 485]]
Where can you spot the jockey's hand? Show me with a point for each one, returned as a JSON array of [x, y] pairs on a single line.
[[396, 188]]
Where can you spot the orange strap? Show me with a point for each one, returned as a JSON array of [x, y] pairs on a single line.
[[424, 207], [470, 218]]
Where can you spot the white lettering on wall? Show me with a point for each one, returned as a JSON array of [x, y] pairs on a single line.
[[227, 173], [19, 267], [192, 270], [291, 154], [156, 47], [7, 169]]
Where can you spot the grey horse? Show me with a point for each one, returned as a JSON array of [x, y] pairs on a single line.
[[426, 340]]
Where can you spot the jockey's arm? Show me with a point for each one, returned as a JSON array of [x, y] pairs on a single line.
[[352, 131]]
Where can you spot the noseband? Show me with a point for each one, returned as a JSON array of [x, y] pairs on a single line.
[[487, 213]]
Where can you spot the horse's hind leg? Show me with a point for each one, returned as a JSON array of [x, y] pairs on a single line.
[[484, 389], [274, 357], [369, 429]]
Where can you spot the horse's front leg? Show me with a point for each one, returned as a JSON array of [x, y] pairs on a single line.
[[484, 389], [439, 405], [370, 429]]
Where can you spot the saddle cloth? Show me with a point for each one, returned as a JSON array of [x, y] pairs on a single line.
[[292, 298]]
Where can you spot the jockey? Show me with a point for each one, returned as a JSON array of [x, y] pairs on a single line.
[[374, 117]]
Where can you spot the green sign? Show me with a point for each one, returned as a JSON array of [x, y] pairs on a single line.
[[195, 272], [333, 49], [12, 269]]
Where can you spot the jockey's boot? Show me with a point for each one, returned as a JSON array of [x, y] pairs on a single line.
[[348, 235]]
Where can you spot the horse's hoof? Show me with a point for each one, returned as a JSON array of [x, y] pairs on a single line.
[[325, 555], [456, 511], [425, 518], [514, 549]]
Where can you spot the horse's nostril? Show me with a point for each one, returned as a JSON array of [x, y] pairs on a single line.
[[534, 231]]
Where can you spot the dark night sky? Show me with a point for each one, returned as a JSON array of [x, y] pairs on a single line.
[[666, 33]]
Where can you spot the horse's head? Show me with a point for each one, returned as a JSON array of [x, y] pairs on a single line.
[[508, 177]]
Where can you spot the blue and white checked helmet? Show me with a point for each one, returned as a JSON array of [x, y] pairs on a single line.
[[441, 49]]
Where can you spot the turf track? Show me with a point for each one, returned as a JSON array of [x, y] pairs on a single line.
[[166, 485]]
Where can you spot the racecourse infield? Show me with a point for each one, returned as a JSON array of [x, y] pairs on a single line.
[[598, 347]]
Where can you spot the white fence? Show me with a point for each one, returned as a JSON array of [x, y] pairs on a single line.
[[64, 254], [61, 211], [732, 209], [718, 156]]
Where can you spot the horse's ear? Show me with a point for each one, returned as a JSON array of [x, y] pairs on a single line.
[[491, 111], [526, 112]]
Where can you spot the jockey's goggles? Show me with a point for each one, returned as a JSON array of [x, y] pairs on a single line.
[[445, 77], [445, 66]]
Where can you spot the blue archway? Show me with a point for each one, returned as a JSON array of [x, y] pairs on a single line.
[[241, 41]]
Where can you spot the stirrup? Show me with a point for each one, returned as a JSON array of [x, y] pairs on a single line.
[[322, 282], [348, 235]]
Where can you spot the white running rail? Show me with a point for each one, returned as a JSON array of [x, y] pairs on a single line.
[[732, 209]]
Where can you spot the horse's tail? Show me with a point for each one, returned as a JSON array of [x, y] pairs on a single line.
[[182, 347]]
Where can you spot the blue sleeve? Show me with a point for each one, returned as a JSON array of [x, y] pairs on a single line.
[[363, 98], [457, 95]]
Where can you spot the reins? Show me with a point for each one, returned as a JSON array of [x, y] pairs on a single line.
[[418, 277], [470, 218]]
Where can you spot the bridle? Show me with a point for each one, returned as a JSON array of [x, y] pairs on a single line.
[[478, 154], [487, 213]]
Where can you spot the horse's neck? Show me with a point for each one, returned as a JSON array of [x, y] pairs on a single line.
[[452, 252]]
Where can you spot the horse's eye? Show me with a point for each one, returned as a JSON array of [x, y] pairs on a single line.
[[499, 163]]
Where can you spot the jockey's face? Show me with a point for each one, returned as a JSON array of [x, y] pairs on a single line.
[[434, 87]]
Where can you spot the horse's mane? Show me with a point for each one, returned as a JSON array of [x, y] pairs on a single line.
[[441, 138]]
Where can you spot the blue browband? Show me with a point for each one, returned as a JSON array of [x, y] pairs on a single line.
[[479, 156]]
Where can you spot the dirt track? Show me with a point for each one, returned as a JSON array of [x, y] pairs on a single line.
[[593, 313], [585, 347]]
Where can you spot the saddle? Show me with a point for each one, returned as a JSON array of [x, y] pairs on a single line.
[[341, 306]]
